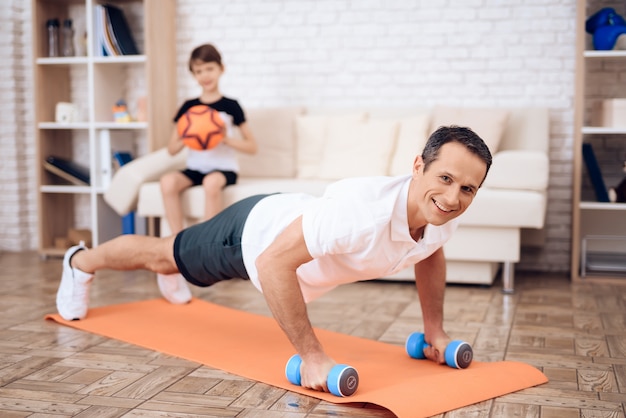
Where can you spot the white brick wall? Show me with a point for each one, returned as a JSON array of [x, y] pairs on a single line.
[[402, 53], [395, 53], [18, 211]]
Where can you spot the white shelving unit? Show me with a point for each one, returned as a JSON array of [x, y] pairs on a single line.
[[598, 228], [95, 84]]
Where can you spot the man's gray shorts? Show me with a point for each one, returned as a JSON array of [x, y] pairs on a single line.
[[210, 251]]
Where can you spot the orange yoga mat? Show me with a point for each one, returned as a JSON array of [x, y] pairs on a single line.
[[254, 347]]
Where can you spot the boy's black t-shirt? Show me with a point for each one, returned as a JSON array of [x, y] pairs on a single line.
[[226, 105]]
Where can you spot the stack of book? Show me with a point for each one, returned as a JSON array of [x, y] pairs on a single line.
[[112, 33]]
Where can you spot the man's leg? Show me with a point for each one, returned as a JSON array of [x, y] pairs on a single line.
[[129, 252], [126, 252]]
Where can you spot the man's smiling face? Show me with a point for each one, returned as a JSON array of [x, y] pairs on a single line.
[[446, 188]]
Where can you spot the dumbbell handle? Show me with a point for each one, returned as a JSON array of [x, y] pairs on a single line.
[[342, 380], [458, 354]]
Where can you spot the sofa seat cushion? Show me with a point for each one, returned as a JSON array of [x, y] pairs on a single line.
[[506, 208], [482, 243], [494, 207], [151, 201], [251, 186]]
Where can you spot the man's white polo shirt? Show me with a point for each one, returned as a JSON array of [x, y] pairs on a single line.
[[357, 231]]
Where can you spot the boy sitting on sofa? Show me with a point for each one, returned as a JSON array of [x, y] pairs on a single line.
[[214, 168]]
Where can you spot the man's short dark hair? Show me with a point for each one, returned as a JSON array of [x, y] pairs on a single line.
[[462, 135]]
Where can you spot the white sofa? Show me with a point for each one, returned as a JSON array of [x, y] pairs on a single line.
[[304, 150]]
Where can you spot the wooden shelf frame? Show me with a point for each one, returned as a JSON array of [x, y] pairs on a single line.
[[581, 209], [53, 84]]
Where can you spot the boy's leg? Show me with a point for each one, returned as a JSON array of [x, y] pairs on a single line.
[[172, 184], [213, 183]]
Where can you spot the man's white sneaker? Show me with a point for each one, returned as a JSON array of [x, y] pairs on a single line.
[[73, 293], [174, 288]]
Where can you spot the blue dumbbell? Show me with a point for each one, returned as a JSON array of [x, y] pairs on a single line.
[[342, 380], [458, 354]]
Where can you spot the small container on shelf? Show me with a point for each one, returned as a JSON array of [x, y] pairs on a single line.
[[609, 113], [52, 26], [67, 39]]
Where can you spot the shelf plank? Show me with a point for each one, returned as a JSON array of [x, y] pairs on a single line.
[[602, 206], [62, 60], [604, 54], [602, 130], [121, 125], [121, 59], [606, 278], [97, 125], [51, 188], [56, 125]]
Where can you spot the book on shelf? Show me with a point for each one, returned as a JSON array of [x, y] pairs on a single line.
[[68, 170], [595, 173], [122, 157], [112, 33]]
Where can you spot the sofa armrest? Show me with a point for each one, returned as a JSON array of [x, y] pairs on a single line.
[[124, 188], [521, 170]]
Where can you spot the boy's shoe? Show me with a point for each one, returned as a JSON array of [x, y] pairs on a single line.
[[174, 288], [73, 293]]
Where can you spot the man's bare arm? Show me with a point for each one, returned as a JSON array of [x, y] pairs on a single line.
[[276, 267], [430, 279]]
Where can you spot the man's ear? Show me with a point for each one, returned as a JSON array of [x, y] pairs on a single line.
[[418, 164]]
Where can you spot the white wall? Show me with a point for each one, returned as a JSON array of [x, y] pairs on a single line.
[[18, 203], [369, 52]]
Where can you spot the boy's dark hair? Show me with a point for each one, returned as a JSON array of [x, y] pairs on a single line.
[[462, 135], [205, 53]]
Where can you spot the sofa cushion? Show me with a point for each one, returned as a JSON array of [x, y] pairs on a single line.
[[488, 123], [412, 136], [523, 170], [527, 128], [123, 192], [358, 148], [275, 132], [312, 131]]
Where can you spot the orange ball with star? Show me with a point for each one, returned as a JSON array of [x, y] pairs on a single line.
[[201, 128]]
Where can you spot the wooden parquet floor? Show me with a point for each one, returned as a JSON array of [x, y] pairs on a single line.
[[576, 334]]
